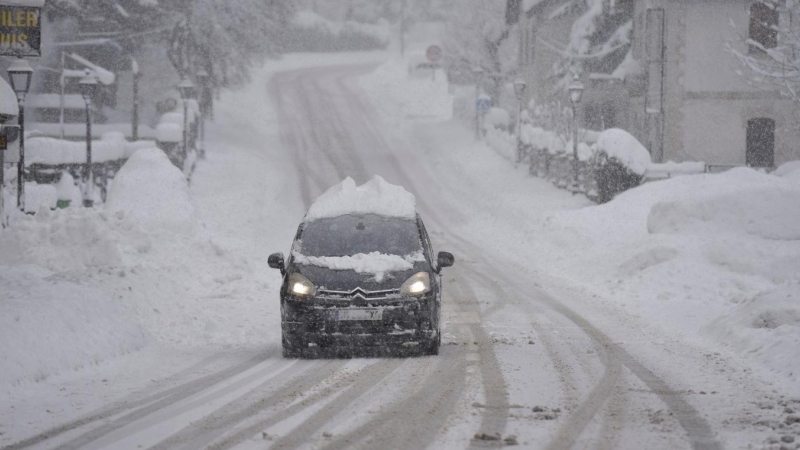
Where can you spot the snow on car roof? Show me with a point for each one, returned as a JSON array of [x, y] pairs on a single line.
[[376, 196]]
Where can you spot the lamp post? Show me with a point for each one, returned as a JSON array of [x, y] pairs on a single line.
[[519, 90], [186, 89], [88, 86], [202, 80], [135, 112], [478, 72], [20, 74], [3, 119], [575, 93]]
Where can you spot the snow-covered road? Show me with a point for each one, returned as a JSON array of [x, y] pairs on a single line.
[[527, 357]]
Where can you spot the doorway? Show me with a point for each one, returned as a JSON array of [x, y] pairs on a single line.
[[760, 142]]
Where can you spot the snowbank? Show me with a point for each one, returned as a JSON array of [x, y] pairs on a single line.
[[788, 169], [50, 324], [771, 211], [60, 240], [40, 195], [701, 255], [66, 189], [498, 118], [169, 132], [154, 192], [376, 196], [620, 144], [503, 143]]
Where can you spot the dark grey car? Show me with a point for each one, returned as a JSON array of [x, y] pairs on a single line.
[[331, 304]]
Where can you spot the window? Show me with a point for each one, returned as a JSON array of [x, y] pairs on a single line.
[[763, 27], [760, 142]]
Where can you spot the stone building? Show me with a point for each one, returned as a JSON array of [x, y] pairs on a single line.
[[680, 91]]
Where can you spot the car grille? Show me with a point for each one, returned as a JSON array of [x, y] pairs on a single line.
[[358, 294]]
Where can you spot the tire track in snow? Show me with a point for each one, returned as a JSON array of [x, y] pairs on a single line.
[[150, 402], [207, 430], [494, 414], [414, 420], [155, 414], [493, 419], [698, 430], [367, 380], [493, 382], [289, 89]]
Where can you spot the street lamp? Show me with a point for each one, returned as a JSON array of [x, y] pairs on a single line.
[[20, 74], [135, 112], [202, 79], [478, 72], [575, 93], [186, 89], [88, 86], [519, 90]]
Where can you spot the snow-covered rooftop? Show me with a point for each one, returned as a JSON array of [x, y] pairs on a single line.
[[373, 197]]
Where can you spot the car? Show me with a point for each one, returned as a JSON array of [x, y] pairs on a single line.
[[361, 276]]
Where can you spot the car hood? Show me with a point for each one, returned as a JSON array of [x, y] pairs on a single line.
[[347, 280]]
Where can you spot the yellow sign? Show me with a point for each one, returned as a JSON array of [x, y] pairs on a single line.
[[20, 31]]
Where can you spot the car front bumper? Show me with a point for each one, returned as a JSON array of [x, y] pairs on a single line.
[[403, 323]]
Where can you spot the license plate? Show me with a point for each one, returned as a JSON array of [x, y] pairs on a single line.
[[359, 314]]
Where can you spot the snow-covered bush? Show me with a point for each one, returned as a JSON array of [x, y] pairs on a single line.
[[622, 162]]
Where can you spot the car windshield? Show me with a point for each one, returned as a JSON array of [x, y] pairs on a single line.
[[351, 235]]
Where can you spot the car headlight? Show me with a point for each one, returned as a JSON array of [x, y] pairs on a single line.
[[417, 284], [301, 286]]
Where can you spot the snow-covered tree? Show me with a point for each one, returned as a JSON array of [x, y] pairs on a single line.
[[226, 37], [223, 37], [600, 37], [771, 51], [476, 35]]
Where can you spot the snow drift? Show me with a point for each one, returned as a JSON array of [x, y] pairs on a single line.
[[50, 323], [715, 253], [150, 189]]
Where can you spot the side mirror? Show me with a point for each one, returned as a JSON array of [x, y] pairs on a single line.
[[445, 259], [275, 261]]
